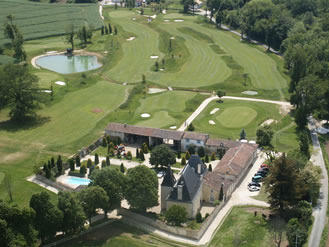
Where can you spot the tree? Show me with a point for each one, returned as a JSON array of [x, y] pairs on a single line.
[[213, 156], [141, 155], [282, 185], [8, 185], [52, 162], [89, 163], [190, 127], [162, 155], [243, 134], [104, 142], [304, 144], [210, 168], [93, 198], [201, 151], [73, 214], [110, 28], [77, 161], [48, 219], [107, 160], [84, 34], [145, 148], [221, 193], [141, 188], [176, 215], [115, 31], [83, 169], [207, 158], [103, 164], [102, 30], [198, 217], [277, 226], [122, 168], [19, 91], [113, 182], [6, 235], [71, 162], [187, 155], [156, 66], [137, 153], [183, 161], [143, 78], [191, 149], [70, 34], [59, 165], [296, 233], [96, 159], [129, 156], [264, 136]]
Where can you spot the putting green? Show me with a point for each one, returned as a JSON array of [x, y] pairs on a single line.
[[159, 119], [236, 117]]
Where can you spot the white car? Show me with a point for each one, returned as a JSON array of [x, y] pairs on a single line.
[[253, 188], [161, 174]]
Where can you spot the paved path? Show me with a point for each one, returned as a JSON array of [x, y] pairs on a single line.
[[241, 196], [204, 104], [319, 212]]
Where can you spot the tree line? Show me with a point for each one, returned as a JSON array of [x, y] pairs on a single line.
[[39, 223]]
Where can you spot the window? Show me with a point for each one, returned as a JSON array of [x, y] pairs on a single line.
[[198, 141], [187, 140]]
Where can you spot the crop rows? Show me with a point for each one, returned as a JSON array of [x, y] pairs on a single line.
[[37, 20]]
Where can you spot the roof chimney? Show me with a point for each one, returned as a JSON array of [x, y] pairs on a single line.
[[199, 168], [180, 192]]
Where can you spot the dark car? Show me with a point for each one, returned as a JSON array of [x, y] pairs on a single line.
[[263, 169], [257, 178], [253, 184]]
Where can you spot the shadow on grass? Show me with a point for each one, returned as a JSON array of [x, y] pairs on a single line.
[[100, 236], [28, 123]]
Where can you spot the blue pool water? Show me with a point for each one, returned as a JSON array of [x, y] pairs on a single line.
[[77, 181], [68, 64]]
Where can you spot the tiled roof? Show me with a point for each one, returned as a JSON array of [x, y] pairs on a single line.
[[145, 131], [194, 161], [195, 136], [219, 142], [232, 164]]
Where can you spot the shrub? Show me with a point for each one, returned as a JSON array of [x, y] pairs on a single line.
[[104, 142], [190, 127], [198, 217], [213, 157], [107, 160], [77, 161], [122, 168], [178, 155], [71, 162], [83, 169], [176, 215], [183, 161], [201, 151], [187, 155], [191, 149], [103, 163], [129, 156], [145, 148], [210, 168], [89, 163], [207, 158]]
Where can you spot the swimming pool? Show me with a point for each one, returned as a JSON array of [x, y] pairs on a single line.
[[77, 181]]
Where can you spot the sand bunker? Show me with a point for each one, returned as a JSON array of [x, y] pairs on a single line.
[[268, 122], [172, 37], [166, 20], [145, 115], [105, 52], [134, 19], [250, 92], [153, 16], [161, 69], [61, 83], [51, 52], [211, 122], [156, 90], [173, 127], [131, 38], [178, 20], [46, 91], [164, 11], [213, 111], [154, 57], [170, 89]]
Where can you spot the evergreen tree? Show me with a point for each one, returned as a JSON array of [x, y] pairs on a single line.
[[104, 142], [183, 161], [178, 155], [141, 155], [48, 172], [198, 217], [243, 134], [210, 168], [221, 193], [103, 163], [187, 155], [71, 162], [122, 168], [106, 30], [201, 151], [115, 31], [52, 162], [77, 161], [156, 66], [102, 30], [207, 158], [89, 163], [137, 153], [107, 160], [110, 28], [59, 164], [96, 159], [83, 169]]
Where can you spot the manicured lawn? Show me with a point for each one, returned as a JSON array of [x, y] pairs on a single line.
[[242, 228], [212, 59], [118, 234], [233, 115]]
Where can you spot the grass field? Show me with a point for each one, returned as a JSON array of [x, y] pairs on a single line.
[[36, 20], [242, 228], [211, 59], [235, 115]]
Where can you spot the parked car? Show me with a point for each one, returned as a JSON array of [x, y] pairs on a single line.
[[263, 170], [253, 184], [254, 188], [263, 165], [257, 178]]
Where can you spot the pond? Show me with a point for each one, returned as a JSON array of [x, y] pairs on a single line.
[[68, 64]]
